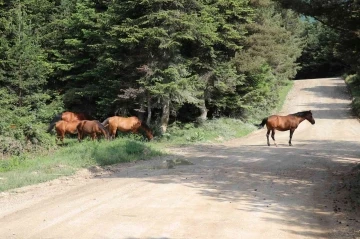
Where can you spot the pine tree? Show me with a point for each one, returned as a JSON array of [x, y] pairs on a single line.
[[23, 76], [184, 45], [269, 56], [74, 44]]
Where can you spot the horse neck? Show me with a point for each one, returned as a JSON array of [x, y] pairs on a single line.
[[147, 132], [300, 119], [102, 129]]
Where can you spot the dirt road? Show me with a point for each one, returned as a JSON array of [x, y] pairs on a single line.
[[237, 189]]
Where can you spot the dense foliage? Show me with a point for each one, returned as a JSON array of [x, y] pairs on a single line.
[[161, 60], [343, 18]]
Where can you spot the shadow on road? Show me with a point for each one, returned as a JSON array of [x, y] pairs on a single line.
[[269, 179]]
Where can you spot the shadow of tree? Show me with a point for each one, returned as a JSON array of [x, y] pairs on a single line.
[[268, 179], [336, 91]]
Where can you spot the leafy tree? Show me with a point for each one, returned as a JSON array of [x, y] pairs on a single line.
[[74, 44], [320, 57], [269, 56], [23, 75], [342, 16], [182, 45]]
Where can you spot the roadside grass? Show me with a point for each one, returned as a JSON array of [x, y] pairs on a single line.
[[283, 92], [353, 82], [31, 169], [215, 130], [27, 169]]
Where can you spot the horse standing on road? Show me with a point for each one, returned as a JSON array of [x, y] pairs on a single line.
[[284, 123]]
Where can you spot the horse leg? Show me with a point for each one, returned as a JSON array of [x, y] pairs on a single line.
[[79, 136], [93, 136], [273, 136], [291, 134], [112, 133], [267, 137], [61, 137]]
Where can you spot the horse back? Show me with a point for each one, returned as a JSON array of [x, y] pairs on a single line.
[[90, 126], [281, 123], [64, 126], [125, 123], [71, 116]]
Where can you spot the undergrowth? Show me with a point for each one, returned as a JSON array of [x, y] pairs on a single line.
[[353, 82]]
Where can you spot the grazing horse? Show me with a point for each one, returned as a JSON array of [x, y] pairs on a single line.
[[284, 123], [92, 128], [126, 124], [63, 127], [66, 116]]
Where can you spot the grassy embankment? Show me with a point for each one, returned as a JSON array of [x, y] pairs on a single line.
[[30, 169], [353, 182], [353, 82]]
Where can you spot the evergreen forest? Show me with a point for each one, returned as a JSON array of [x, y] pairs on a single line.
[[164, 61]]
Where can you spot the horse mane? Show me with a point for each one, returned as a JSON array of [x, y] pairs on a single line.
[[53, 122], [105, 122], [301, 113], [101, 126]]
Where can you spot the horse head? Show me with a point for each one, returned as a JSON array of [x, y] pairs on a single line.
[[309, 117]]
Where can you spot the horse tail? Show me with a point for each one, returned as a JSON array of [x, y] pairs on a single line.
[[105, 122], [263, 122], [104, 130], [53, 122], [147, 130]]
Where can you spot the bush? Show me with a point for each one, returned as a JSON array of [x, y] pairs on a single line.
[[353, 82], [10, 146]]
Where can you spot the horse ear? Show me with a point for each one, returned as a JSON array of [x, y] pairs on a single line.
[[310, 111]]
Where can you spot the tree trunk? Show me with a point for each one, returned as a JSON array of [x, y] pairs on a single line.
[[148, 120], [165, 114], [203, 110], [141, 112]]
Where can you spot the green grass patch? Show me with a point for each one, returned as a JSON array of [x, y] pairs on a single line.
[[353, 82], [283, 92], [29, 169], [210, 131]]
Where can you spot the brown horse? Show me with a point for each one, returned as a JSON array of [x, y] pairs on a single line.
[[66, 116], [284, 123], [92, 128], [126, 124], [63, 127]]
